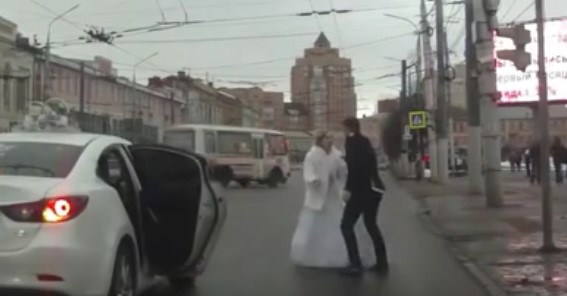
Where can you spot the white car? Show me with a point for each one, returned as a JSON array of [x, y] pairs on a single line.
[[93, 215]]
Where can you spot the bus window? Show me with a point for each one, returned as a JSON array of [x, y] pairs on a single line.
[[180, 139], [277, 144], [210, 143], [234, 143]]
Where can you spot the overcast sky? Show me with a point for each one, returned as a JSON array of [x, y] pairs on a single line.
[[248, 40]]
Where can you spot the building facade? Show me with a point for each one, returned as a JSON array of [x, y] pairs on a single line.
[[250, 116], [231, 109], [322, 81], [16, 72], [296, 117], [269, 104]]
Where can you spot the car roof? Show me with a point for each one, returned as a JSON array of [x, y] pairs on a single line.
[[77, 139], [226, 128]]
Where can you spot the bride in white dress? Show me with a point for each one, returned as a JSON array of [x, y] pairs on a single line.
[[317, 241]]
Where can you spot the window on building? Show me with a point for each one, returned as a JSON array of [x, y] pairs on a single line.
[[7, 88], [21, 94]]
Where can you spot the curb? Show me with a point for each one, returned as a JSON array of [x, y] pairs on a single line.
[[473, 268]]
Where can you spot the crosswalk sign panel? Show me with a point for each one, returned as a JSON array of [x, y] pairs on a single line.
[[417, 120]]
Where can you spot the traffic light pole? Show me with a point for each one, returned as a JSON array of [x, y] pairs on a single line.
[[441, 122], [474, 153], [547, 206], [429, 93], [487, 93]]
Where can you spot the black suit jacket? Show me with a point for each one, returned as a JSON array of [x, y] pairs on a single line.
[[362, 165]]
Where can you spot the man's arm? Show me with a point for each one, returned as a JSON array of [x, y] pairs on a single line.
[[375, 175]]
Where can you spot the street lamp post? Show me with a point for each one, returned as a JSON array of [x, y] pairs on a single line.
[[47, 74]]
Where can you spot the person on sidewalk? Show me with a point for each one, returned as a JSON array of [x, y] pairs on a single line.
[[528, 162], [363, 194], [535, 162], [558, 153]]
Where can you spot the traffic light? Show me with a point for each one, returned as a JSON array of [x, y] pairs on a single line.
[[518, 56]]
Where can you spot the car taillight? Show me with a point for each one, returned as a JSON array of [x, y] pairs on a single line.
[[49, 210]]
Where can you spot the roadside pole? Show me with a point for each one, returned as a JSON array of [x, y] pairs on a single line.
[[488, 95], [441, 116], [429, 88], [474, 153], [546, 202]]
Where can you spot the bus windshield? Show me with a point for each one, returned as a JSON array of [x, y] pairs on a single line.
[[277, 144], [234, 143], [180, 139]]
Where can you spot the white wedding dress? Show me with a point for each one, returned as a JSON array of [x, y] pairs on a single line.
[[318, 241]]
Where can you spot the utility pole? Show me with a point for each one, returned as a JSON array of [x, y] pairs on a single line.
[[405, 108], [442, 140], [474, 153], [449, 105], [429, 89], [485, 21], [46, 87], [547, 206], [82, 96]]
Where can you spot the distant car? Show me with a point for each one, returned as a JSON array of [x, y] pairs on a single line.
[[84, 214]]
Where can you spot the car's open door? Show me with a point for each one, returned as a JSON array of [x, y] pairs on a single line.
[[184, 214]]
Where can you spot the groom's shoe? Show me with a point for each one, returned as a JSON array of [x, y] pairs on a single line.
[[352, 271]]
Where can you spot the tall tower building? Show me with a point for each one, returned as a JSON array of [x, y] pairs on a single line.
[[322, 81]]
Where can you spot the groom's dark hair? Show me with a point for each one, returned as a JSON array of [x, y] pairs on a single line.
[[352, 124]]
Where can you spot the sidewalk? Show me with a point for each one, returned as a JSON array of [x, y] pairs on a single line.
[[500, 246]]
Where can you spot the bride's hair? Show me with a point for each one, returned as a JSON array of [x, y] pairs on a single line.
[[320, 136]]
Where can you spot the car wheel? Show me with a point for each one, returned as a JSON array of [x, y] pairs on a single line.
[[275, 178], [124, 275], [181, 284], [243, 183]]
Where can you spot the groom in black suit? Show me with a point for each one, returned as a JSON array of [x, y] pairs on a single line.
[[363, 194]]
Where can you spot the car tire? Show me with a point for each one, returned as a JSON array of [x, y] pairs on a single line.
[[181, 284], [124, 273], [244, 183], [274, 178]]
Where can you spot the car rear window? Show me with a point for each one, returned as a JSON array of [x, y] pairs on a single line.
[[38, 159]]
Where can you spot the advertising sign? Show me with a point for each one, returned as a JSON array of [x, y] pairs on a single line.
[[519, 87]]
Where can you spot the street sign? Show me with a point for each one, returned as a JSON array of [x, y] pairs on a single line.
[[417, 120]]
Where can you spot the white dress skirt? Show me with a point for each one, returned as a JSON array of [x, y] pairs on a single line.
[[318, 241]]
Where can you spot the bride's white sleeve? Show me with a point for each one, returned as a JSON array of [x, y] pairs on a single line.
[[310, 169], [342, 170]]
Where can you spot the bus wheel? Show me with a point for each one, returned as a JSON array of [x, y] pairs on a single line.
[[275, 178], [244, 183]]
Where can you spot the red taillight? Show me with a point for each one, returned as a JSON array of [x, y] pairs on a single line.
[[49, 210]]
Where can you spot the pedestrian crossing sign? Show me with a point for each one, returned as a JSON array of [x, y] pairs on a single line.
[[417, 120]]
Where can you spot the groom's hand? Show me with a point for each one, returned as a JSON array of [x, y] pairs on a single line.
[[345, 196]]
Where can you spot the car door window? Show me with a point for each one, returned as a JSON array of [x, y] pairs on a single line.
[[172, 186]]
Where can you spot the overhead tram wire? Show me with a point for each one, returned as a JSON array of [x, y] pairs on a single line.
[[162, 26], [316, 16], [111, 44], [337, 28], [202, 40], [508, 11], [530, 5], [293, 57]]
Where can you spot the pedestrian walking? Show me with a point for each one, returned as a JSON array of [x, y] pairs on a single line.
[[363, 193], [558, 153]]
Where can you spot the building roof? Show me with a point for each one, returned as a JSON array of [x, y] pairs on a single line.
[[322, 41]]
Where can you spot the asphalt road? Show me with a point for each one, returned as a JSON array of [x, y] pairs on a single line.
[[251, 258]]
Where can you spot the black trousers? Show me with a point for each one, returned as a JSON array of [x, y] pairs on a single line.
[[364, 205]]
